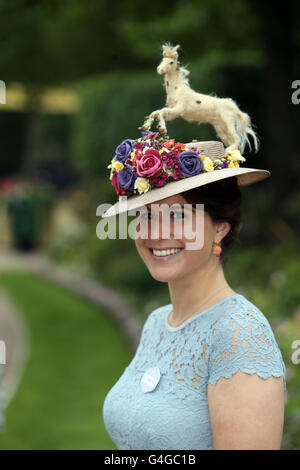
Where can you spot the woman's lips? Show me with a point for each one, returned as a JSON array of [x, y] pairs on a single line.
[[164, 258]]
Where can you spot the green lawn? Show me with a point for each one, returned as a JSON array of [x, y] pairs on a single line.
[[77, 355]]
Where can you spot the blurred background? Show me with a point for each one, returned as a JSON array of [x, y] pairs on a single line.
[[79, 79]]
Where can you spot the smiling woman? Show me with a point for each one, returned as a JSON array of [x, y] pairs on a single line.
[[208, 373], [209, 340]]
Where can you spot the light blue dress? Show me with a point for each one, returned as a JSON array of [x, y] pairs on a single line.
[[230, 336]]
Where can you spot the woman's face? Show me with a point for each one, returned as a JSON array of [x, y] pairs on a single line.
[[186, 260]]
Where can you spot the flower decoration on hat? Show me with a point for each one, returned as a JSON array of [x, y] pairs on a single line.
[[154, 160]]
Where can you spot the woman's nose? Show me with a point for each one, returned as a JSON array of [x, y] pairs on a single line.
[[160, 227]]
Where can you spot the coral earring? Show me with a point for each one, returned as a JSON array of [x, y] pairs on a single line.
[[217, 250]]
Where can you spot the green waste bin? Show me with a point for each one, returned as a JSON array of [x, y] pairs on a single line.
[[24, 212]]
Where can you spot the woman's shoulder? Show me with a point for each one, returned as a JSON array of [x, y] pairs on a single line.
[[244, 320], [240, 308], [242, 338]]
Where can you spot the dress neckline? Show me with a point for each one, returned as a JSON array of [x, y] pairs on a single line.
[[169, 309]]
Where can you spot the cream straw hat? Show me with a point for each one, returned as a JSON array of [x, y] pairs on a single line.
[[214, 151]]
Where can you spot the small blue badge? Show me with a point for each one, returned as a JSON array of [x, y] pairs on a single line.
[[150, 379]]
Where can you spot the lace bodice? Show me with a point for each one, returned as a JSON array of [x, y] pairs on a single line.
[[230, 336]]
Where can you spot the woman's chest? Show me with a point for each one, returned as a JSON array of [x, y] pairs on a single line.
[[171, 415]]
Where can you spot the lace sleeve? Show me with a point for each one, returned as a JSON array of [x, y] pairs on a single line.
[[244, 341]]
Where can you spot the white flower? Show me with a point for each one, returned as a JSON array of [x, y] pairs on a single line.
[[142, 185]]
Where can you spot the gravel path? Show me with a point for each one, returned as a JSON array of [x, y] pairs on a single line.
[[126, 319], [16, 337]]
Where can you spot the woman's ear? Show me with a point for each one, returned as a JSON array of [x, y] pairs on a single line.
[[223, 229]]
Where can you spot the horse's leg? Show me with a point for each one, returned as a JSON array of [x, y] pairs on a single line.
[[235, 139], [227, 133], [155, 114], [221, 132], [172, 113]]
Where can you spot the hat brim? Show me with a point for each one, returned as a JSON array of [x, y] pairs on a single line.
[[244, 176]]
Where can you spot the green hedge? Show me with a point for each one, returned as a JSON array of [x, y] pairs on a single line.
[[12, 134]]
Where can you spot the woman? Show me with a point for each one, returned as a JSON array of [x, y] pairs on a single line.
[[208, 373]]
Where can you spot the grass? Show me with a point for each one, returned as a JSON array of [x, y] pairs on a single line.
[[76, 356]]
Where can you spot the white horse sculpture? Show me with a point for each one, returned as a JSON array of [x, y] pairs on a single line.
[[230, 123]]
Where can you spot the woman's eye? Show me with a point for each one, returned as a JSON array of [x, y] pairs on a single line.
[[180, 214], [145, 216], [176, 215]]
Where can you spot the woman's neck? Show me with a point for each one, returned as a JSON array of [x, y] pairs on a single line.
[[197, 292]]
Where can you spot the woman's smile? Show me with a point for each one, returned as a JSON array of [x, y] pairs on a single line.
[[165, 254]]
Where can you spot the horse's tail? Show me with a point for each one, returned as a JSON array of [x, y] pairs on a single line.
[[244, 127]]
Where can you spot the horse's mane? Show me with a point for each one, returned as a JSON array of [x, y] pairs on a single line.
[[184, 72], [170, 51]]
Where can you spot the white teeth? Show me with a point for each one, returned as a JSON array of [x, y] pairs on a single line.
[[172, 251]]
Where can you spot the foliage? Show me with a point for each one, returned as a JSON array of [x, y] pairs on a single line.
[[12, 135], [66, 41]]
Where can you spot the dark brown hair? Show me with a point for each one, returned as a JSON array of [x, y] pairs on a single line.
[[222, 201]]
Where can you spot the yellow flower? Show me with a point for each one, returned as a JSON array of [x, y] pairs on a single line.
[[163, 150], [231, 165], [207, 164], [132, 156], [235, 156], [117, 166], [142, 185]]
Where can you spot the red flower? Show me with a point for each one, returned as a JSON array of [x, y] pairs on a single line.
[[139, 146], [176, 174], [178, 147], [153, 180], [162, 178], [115, 183], [169, 144], [137, 156]]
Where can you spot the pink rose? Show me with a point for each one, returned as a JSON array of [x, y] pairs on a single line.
[[150, 164]]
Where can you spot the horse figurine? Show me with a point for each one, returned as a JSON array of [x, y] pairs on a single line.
[[230, 123]]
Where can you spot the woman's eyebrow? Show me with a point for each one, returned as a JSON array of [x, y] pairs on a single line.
[[178, 207], [177, 204]]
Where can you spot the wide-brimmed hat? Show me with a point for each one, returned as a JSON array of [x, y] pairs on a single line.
[[155, 167]]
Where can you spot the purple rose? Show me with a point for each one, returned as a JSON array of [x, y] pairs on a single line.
[[124, 150], [190, 163], [126, 178]]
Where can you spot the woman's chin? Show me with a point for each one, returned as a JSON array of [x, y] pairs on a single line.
[[164, 275]]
